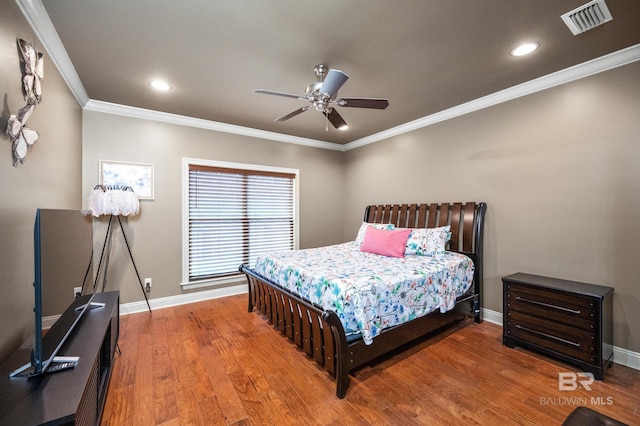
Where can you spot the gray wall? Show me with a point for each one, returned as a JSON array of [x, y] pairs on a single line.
[[155, 234], [559, 170], [50, 176]]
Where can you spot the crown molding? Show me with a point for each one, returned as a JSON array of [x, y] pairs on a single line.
[[37, 16], [576, 72], [182, 120], [39, 20]]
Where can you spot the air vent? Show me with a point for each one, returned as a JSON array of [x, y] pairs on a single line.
[[587, 16]]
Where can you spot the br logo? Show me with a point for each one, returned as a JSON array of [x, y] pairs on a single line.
[[568, 381]]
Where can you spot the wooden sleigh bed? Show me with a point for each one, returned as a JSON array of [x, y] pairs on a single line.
[[321, 334]]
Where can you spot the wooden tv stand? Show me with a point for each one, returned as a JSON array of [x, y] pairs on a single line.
[[73, 396]]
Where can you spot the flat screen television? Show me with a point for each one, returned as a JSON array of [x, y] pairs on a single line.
[[63, 252]]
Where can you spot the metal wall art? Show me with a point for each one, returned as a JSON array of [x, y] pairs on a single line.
[[22, 137]]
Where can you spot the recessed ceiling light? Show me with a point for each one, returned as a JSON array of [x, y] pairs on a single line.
[[160, 85], [524, 49]]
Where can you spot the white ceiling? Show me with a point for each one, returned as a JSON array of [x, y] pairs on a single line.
[[424, 56]]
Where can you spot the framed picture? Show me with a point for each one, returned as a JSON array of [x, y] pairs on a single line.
[[138, 176]]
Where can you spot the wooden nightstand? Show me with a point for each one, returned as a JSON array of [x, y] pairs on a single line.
[[569, 320]]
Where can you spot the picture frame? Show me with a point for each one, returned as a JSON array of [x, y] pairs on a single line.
[[139, 176]]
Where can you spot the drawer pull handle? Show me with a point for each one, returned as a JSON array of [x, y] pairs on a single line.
[[577, 345], [548, 305]]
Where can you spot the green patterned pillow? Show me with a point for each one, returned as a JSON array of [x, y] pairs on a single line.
[[427, 241]]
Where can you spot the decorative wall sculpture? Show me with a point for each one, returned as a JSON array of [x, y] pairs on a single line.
[[22, 137]]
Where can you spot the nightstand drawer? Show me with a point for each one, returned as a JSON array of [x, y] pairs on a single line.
[[572, 341], [560, 307]]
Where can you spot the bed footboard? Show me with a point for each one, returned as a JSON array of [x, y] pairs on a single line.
[[302, 322]]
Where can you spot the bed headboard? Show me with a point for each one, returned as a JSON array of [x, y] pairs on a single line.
[[466, 221]]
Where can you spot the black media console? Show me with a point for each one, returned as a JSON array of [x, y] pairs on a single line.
[[73, 396]]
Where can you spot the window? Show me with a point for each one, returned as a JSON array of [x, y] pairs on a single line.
[[234, 213]]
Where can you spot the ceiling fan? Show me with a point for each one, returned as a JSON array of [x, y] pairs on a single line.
[[323, 96]]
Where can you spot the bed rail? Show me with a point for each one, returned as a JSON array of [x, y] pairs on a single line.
[[299, 320]]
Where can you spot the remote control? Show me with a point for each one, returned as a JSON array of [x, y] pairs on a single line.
[[59, 367], [66, 359]]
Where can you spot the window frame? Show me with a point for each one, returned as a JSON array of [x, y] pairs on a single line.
[[237, 278]]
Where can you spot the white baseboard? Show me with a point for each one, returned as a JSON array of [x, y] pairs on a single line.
[[620, 355], [626, 357], [182, 299], [492, 316]]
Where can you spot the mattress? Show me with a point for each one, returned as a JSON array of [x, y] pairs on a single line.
[[367, 291]]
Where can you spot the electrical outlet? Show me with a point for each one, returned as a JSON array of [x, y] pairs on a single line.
[[147, 284], [77, 291]]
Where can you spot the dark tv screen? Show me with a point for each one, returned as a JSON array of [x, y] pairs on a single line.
[[63, 251]]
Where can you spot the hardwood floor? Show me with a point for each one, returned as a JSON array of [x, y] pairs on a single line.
[[212, 363]]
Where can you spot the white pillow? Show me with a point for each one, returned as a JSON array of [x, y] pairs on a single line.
[[363, 230]]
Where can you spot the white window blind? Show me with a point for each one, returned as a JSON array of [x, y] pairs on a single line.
[[236, 215]]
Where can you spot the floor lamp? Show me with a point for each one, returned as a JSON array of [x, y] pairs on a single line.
[[114, 201]]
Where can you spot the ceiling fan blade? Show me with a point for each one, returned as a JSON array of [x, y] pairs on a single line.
[[337, 120], [333, 82], [293, 114], [286, 95], [363, 103]]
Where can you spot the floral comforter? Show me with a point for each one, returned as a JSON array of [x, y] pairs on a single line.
[[370, 292]]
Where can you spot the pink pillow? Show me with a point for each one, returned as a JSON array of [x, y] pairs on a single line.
[[384, 242]]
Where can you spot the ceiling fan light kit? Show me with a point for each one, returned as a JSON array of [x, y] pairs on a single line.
[[323, 96]]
